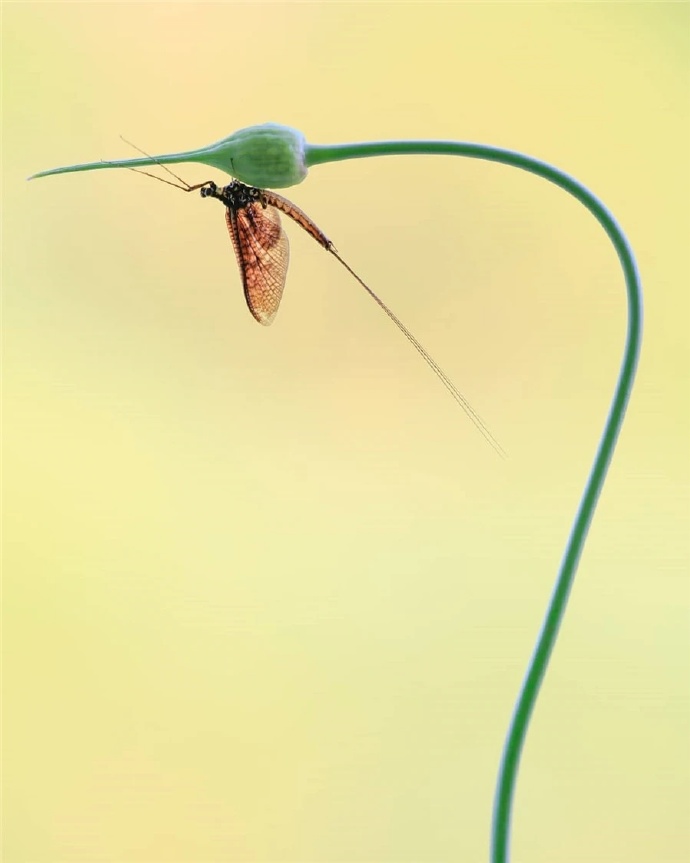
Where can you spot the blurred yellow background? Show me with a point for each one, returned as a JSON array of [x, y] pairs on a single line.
[[268, 595]]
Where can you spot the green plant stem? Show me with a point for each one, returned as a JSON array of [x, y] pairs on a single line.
[[505, 788]]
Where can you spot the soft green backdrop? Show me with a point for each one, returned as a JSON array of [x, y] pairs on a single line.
[[268, 595]]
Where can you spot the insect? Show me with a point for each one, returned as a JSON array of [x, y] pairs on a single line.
[[263, 252]]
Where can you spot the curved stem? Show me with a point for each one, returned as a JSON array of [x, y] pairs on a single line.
[[315, 155]]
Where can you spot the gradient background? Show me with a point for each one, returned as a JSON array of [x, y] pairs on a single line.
[[268, 594]]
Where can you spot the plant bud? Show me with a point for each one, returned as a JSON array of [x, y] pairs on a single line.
[[268, 156]]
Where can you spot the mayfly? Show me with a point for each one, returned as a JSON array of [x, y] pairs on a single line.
[[263, 252]]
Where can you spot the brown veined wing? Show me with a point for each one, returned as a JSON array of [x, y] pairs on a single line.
[[263, 252]]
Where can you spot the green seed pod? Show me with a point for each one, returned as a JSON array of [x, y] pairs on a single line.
[[268, 156]]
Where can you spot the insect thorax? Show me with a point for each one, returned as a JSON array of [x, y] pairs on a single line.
[[235, 195]]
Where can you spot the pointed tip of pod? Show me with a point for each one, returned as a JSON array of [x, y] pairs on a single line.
[[42, 174]]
